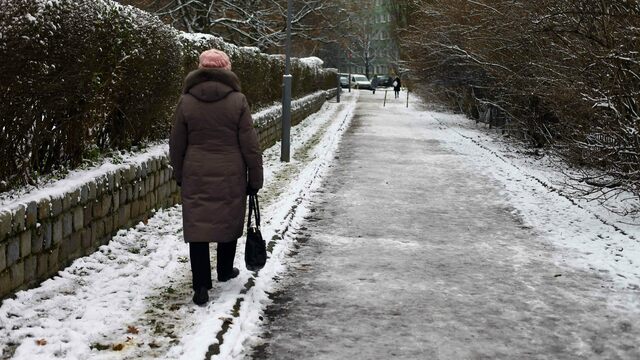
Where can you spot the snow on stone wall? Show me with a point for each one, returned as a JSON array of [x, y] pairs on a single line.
[[43, 232], [41, 235], [268, 121], [107, 77]]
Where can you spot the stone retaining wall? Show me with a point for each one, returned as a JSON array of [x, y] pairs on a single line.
[[41, 237], [270, 125]]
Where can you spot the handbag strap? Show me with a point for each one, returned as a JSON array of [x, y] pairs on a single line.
[[254, 209], [257, 210]]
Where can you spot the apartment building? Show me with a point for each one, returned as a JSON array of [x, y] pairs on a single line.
[[374, 51]]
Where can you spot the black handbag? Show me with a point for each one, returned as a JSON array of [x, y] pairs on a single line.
[[255, 251]]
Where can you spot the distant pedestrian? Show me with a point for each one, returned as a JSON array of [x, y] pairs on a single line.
[[374, 84], [216, 160], [396, 86]]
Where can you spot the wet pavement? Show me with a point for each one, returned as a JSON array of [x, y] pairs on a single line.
[[410, 253]]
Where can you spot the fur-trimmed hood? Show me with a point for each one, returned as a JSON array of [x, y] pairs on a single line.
[[211, 85]]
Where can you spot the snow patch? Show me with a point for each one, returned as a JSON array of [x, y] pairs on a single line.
[[132, 298], [312, 62]]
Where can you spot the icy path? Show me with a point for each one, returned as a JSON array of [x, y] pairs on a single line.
[[132, 299], [591, 237], [430, 240]]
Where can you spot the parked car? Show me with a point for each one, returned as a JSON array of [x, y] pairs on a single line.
[[359, 81], [384, 80], [344, 81]]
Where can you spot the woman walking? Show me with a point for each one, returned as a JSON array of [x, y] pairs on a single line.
[[396, 86], [216, 160]]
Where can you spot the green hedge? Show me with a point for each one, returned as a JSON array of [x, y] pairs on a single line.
[[82, 77]]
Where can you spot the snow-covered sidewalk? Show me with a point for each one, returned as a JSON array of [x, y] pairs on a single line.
[[500, 260], [433, 239], [592, 237], [132, 298]]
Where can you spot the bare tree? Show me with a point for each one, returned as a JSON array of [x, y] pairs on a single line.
[[360, 34], [564, 73], [361, 38], [260, 23]]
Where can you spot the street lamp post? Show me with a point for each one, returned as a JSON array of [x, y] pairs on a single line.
[[286, 100], [338, 89], [349, 56]]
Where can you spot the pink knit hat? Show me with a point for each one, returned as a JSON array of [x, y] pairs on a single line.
[[215, 59]]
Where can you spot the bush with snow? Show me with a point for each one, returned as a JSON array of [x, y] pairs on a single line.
[[260, 74], [79, 76]]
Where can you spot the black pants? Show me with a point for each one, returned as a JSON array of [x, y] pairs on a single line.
[[201, 262]]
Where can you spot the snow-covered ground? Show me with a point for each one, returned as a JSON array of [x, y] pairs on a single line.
[[132, 298], [56, 185], [593, 237], [431, 240]]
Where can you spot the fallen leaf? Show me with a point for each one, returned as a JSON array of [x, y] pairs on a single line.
[[41, 342], [118, 347]]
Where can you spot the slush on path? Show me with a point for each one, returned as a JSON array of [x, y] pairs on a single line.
[[411, 251]]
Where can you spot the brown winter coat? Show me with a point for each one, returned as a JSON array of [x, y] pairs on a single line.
[[213, 146]]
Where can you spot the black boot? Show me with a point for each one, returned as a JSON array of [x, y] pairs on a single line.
[[234, 273], [201, 296]]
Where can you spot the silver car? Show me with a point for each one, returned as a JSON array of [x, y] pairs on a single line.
[[359, 81]]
